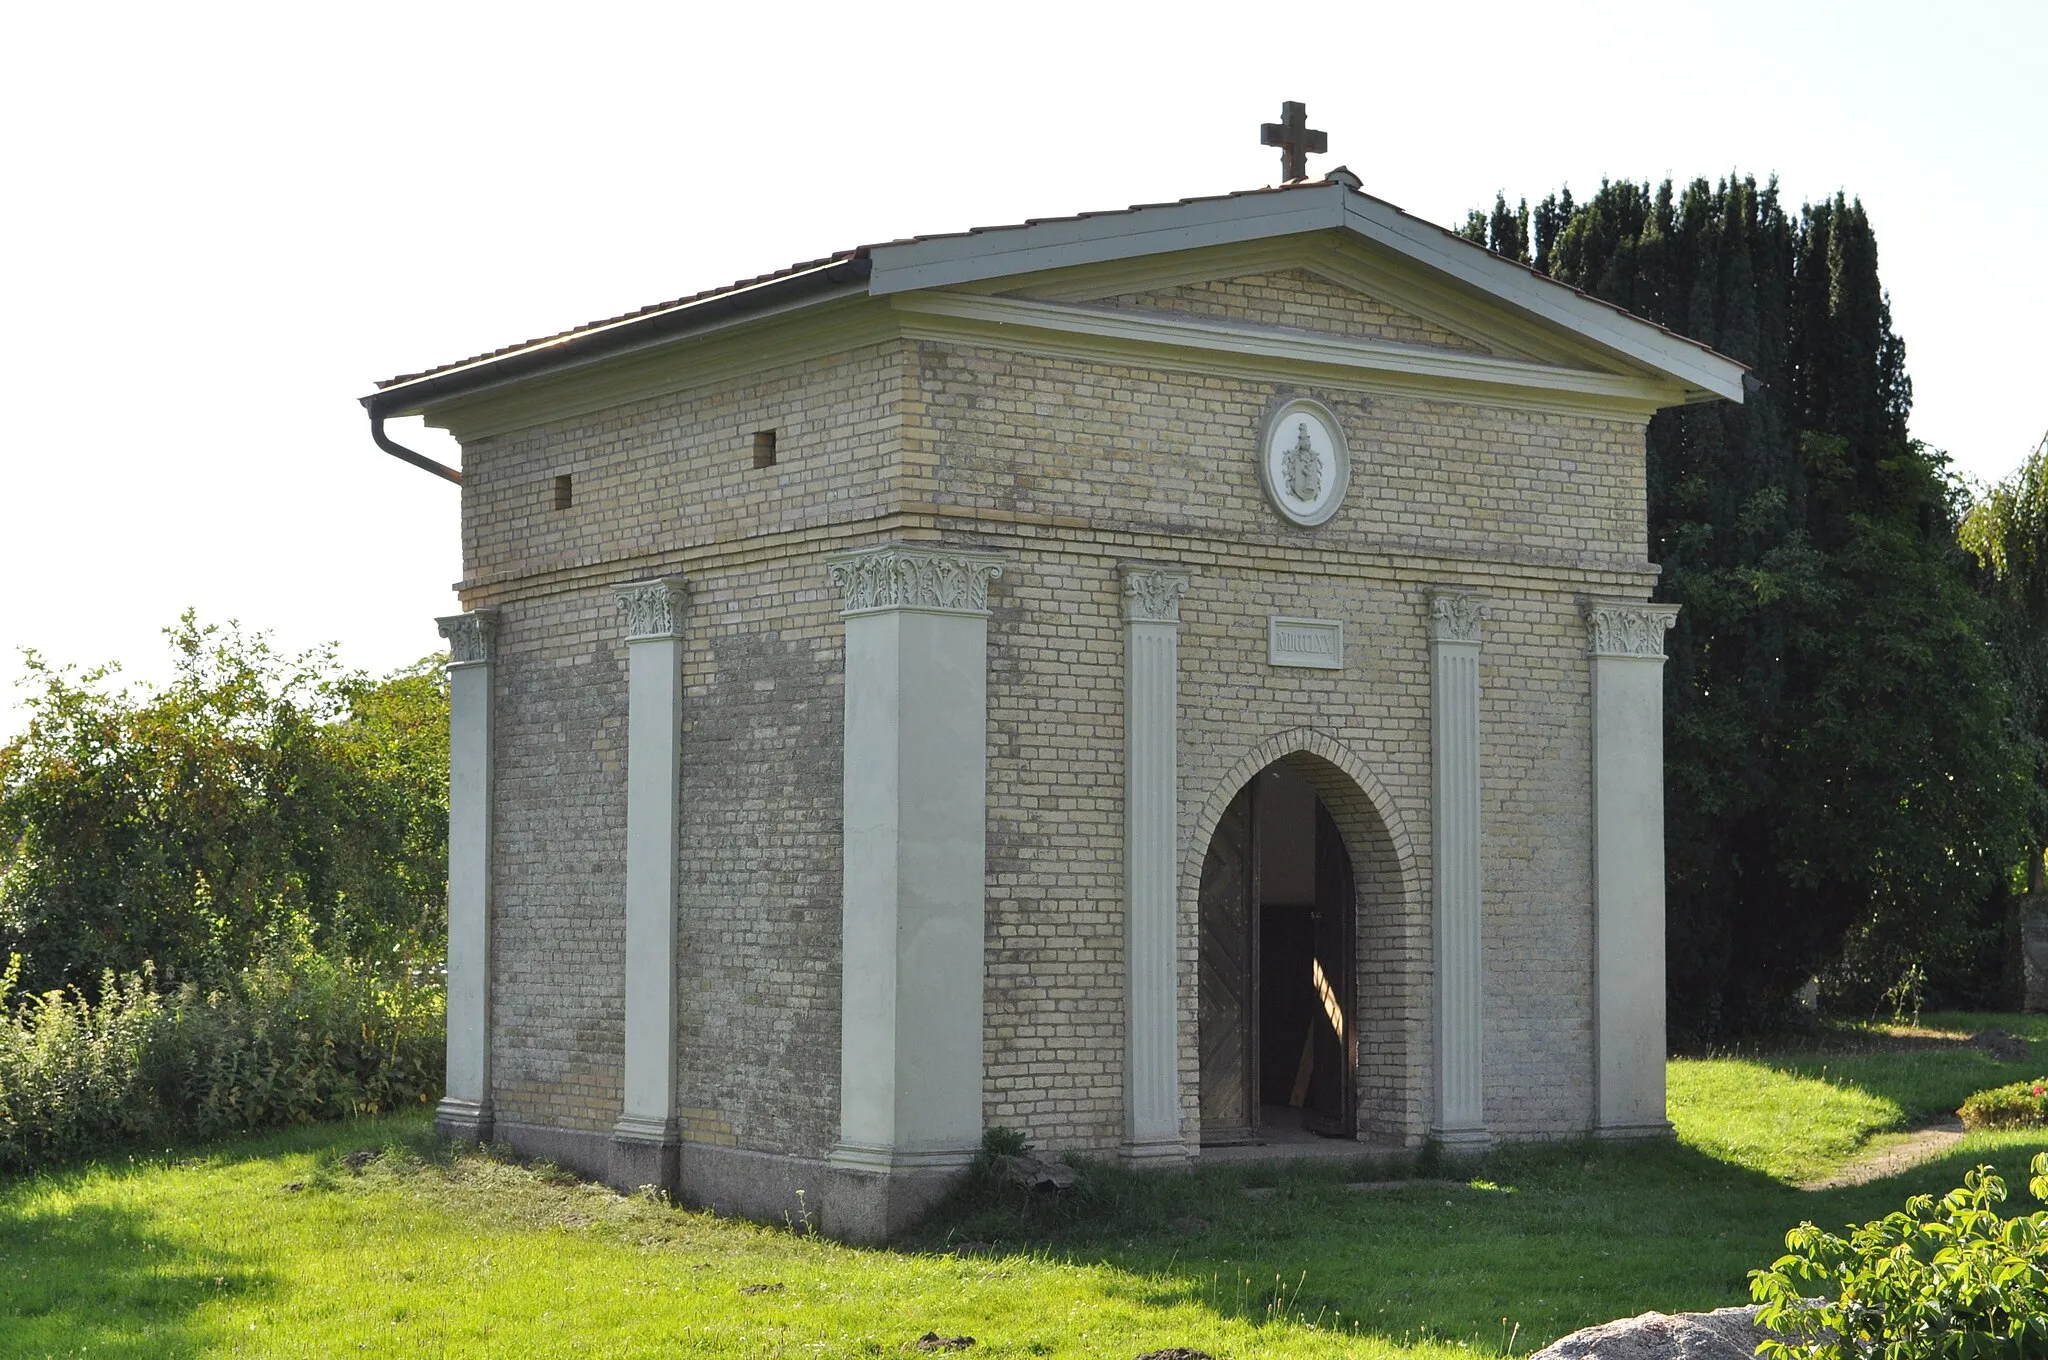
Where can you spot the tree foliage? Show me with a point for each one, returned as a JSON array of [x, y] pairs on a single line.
[[256, 802], [2006, 532], [1843, 788]]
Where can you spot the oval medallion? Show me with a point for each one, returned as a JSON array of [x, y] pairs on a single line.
[[1303, 462]]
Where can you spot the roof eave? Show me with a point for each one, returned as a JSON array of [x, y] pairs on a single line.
[[826, 281]]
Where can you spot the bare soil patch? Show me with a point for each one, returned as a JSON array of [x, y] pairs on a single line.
[[1890, 1154]]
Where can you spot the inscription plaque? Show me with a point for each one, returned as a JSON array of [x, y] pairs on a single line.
[[1316, 643]]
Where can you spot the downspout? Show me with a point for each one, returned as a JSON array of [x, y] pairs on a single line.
[[397, 450]]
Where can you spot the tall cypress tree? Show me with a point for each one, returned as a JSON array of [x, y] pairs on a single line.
[[1840, 773]]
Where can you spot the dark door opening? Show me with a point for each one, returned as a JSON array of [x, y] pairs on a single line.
[[1278, 1047]]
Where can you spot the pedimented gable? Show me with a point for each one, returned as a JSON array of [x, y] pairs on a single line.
[[1300, 300]]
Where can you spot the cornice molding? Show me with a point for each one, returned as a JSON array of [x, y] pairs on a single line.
[[1090, 331], [1454, 616], [653, 609], [1152, 593], [472, 637], [904, 576], [1625, 628]]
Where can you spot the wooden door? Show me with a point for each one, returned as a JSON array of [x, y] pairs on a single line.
[[1333, 1089], [1228, 1006]]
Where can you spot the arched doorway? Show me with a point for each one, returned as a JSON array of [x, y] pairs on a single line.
[[1278, 992]]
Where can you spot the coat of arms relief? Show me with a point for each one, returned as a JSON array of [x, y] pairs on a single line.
[[1304, 463], [1303, 467]]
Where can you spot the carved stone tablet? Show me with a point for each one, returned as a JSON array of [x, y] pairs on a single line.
[[1304, 463], [1316, 643]]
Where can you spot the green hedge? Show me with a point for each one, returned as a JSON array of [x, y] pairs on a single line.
[[2024, 1104], [285, 1042]]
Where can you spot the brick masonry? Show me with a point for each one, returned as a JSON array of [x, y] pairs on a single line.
[[1066, 466]]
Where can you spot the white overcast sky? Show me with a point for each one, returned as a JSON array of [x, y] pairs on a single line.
[[219, 225]]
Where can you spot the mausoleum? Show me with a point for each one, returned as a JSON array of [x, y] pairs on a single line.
[[1162, 681]]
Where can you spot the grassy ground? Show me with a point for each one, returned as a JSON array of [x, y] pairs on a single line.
[[418, 1252], [1797, 1109]]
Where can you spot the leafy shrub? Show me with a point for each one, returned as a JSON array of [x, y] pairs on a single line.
[[1946, 1278], [2024, 1104], [213, 820], [287, 1041]]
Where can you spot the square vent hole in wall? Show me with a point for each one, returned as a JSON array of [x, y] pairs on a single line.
[[565, 492], [764, 448]]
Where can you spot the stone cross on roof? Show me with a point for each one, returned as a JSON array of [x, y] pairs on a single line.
[[1295, 138]]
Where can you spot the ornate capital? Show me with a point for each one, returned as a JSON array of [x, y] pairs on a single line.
[[1152, 594], [1618, 628], [653, 609], [898, 576], [1454, 616], [471, 637]]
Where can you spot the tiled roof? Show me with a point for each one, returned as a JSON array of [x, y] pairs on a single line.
[[859, 255]]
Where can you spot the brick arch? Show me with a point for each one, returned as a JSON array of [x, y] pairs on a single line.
[[1393, 964]]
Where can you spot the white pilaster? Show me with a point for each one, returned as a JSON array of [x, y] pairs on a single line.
[[1627, 651], [915, 830], [1454, 745], [465, 1109], [653, 613], [1152, 596]]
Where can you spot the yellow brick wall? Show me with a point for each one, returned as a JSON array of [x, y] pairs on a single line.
[[1067, 467]]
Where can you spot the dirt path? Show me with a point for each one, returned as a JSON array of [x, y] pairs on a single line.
[[1897, 1153]]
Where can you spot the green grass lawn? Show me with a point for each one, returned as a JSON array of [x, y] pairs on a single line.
[[208, 1252], [1798, 1109]]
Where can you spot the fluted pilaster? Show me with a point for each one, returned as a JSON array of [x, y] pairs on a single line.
[[1455, 761], [1152, 597]]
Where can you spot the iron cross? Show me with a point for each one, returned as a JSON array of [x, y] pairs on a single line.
[[1295, 138]]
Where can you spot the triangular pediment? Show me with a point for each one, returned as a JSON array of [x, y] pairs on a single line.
[[1323, 283], [1298, 299], [1309, 304]]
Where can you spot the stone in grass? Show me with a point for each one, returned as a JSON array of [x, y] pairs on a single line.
[[1036, 1173], [775, 1288], [932, 1341], [361, 1158], [2001, 1045], [1724, 1334], [1177, 1353]]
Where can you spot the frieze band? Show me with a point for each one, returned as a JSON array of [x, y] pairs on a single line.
[[1454, 616], [653, 609], [900, 577], [1153, 594], [471, 636], [1619, 629]]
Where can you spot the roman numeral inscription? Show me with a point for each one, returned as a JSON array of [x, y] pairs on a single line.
[[1316, 643]]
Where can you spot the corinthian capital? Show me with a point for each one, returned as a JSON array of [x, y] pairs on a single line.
[[652, 608], [1454, 616], [1621, 628], [1152, 594], [899, 576], [471, 637]]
